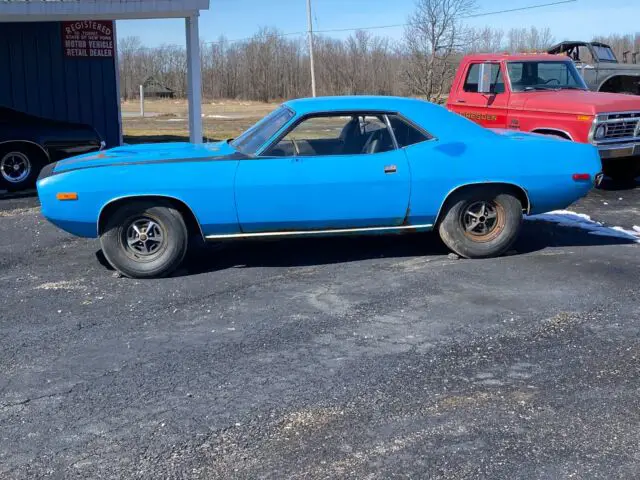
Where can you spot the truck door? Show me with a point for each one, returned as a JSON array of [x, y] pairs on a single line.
[[483, 97]]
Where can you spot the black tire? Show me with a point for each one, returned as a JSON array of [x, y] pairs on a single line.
[[28, 159], [492, 234], [144, 239]]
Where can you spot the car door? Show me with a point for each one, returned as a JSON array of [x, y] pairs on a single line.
[[327, 172], [490, 108]]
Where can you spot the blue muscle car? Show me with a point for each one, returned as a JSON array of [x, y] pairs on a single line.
[[332, 165]]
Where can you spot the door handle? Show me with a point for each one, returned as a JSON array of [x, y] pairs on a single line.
[[460, 100], [390, 169]]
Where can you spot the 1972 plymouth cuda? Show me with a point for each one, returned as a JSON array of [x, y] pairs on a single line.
[[334, 165]]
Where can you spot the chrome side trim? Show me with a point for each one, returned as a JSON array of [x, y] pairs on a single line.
[[32, 143], [479, 184], [143, 195], [314, 232]]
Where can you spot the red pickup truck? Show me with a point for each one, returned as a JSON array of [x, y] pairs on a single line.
[[544, 93]]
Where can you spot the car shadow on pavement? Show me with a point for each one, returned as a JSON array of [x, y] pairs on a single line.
[[535, 236], [539, 235], [611, 186], [5, 195]]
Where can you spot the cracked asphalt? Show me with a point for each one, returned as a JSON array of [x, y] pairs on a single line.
[[367, 358]]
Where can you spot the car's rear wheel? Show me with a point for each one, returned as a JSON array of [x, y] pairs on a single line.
[[481, 222], [144, 239], [19, 167]]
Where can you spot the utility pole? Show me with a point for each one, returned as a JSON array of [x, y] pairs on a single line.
[[313, 71]]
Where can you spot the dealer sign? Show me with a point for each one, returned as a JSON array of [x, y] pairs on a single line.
[[88, 39]]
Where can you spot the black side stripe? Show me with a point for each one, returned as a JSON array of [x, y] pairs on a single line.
[[49, 170]]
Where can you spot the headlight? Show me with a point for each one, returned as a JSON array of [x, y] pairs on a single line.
[[601, 132]]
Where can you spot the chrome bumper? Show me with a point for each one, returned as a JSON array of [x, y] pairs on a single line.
[[619, 150]]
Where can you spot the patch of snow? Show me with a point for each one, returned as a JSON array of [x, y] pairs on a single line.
[[175, 120], [218, 116], [567, 218]]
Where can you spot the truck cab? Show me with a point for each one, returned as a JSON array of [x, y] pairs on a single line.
[[545, 94]]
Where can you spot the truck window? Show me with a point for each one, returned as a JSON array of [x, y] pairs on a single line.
[[533, 75], [473, 77], [604, 53]]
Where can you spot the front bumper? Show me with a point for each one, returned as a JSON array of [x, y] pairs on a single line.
[[619, 150]]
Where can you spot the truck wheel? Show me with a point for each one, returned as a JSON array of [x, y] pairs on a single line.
[[481, 222], [19, 167], [144, 239]]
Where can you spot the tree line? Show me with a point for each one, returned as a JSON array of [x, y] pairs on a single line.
[[271, 66]]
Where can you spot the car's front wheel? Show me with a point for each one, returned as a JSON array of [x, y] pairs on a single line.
[[144, 239], [481, 222]]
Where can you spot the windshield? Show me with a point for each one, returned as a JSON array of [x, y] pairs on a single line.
[[604, 53], [251, 140], [533, 75]]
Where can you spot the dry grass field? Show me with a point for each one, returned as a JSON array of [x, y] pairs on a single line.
[[167, 120]]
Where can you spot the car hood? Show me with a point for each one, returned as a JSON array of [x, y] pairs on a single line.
[[576, 101], [147, 154]]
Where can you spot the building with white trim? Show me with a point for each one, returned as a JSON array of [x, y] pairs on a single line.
[[68, 71]]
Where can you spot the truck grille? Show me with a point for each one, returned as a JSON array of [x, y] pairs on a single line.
[[622, 125], [622, 129]]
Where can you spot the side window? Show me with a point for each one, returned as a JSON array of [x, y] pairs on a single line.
[[405, 133], [473, 78], [335, 135]]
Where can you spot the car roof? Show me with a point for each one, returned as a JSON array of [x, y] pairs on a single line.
[[304, 106], [435, 119], [517, 57]]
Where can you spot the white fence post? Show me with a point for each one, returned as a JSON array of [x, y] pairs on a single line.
[[142, 100]]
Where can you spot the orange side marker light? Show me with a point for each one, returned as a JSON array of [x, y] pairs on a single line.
[[67, 196]]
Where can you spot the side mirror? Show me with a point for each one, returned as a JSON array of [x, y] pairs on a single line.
[[484, 79]]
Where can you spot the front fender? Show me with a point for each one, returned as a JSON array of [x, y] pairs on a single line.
[[206, 188]]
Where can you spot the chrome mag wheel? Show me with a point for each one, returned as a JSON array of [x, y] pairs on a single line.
[[15, 167], [144, 238], [482, 221]]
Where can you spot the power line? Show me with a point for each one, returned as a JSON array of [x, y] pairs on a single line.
[[396, 25], [477, 15]]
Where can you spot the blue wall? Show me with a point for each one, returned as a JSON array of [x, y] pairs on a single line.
[[36, 78]]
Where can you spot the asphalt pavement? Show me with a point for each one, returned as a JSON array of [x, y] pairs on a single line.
[[359, 357]]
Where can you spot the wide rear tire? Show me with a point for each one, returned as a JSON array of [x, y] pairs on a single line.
[[481, 222], [144, 239]]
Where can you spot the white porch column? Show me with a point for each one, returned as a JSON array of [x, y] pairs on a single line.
[[194, 79]]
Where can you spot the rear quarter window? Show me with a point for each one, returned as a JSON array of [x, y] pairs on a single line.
[[405, 133]]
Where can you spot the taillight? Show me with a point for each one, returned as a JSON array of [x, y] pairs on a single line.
[[581, 177]]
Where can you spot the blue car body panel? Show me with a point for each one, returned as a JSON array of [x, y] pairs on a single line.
[[231, 193], [322, 193]]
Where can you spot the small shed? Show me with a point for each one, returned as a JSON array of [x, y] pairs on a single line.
[[154, 89]]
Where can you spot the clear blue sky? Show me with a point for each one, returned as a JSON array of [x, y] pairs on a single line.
[[238, 19]]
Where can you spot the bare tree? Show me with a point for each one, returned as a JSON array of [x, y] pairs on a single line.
[[271, 66], [432, 37]]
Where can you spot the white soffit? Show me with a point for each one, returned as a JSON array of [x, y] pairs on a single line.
[[56, 10]]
